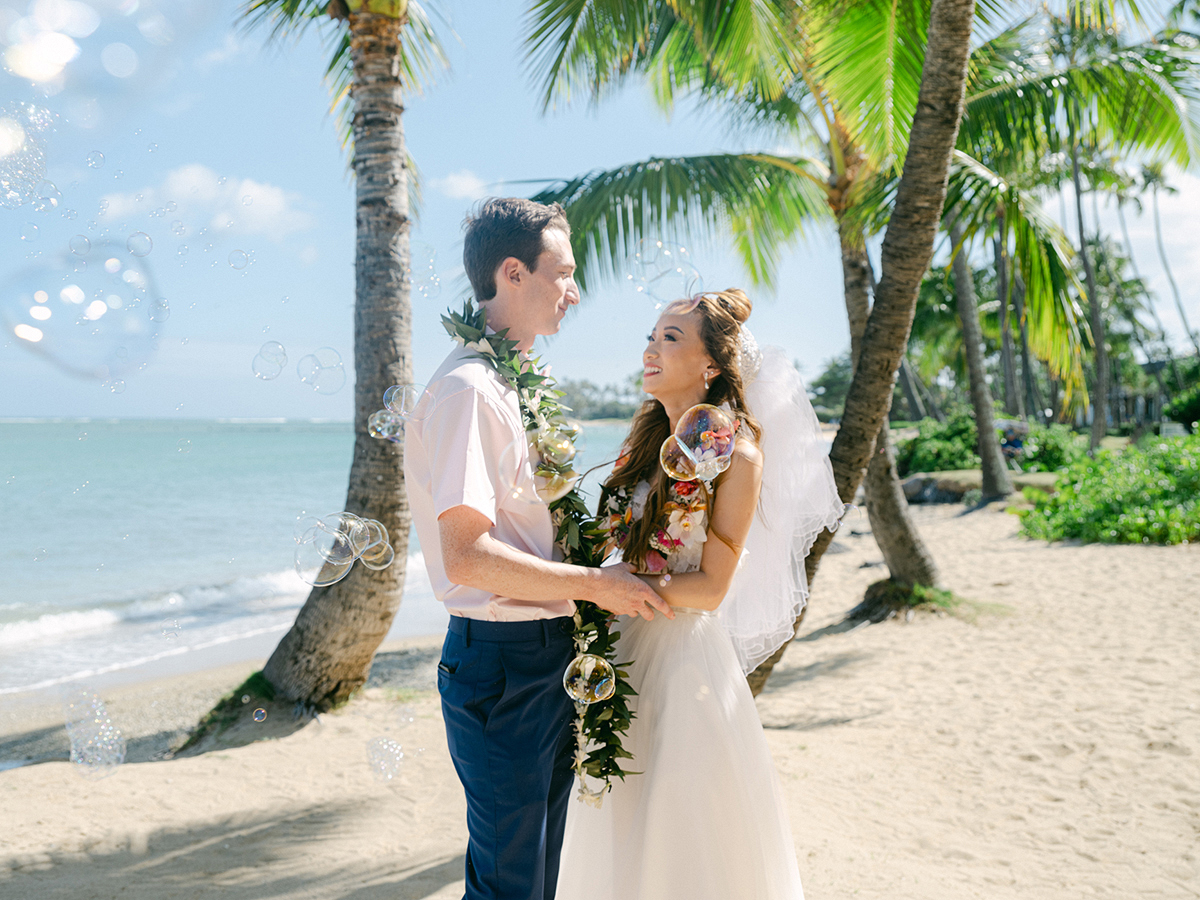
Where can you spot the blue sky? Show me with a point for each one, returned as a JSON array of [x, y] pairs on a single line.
[[246, 157]]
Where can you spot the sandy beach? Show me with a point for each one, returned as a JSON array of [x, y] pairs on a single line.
[[1043, 741]]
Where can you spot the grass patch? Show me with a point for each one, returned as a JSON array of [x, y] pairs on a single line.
[[229, 709]]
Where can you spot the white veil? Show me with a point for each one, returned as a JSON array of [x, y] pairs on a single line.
[[799, 500]]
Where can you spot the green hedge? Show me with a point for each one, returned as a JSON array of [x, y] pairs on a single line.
[[941, 448], [1143, 495]]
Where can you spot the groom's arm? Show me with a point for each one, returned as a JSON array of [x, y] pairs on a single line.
[[474, 558]]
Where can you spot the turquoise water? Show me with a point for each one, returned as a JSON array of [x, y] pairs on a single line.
[[133, 542]]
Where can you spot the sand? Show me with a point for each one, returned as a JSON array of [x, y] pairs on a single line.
[[1042, 741]]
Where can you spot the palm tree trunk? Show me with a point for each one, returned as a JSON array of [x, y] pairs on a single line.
[[1033, 401], [995, 473], [908, 559], [1162, 254], [907, 248], [1095, 306], [916, 407], [328, 651], [1008, 362], [1162, 332]]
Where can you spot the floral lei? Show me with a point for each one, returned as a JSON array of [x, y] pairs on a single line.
[[678, 540], [577, 534]]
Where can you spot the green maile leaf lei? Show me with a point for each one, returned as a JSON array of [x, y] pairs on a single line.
[[598, 726]]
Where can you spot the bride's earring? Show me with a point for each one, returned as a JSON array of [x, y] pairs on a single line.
[[707, 376]]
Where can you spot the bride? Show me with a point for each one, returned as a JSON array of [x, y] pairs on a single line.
[[705, 819]]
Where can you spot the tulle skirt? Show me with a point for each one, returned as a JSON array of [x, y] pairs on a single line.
[[706, 818]]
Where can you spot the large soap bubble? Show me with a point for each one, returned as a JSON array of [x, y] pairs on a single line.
[[589, 679], [23, 129], [322, 370], [268, 363], [663, 272], [422, 271], [91, 316], [402, 403], [702, 445], [97, 746]]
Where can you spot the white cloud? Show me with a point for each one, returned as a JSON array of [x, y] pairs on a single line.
[[200, 194], [230, 47], [462, 185]]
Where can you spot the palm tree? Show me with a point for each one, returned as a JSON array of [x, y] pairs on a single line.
[[1154, 178], [777, 68], [384, 49]]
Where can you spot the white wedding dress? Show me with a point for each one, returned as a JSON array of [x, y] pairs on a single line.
[[706, 819]]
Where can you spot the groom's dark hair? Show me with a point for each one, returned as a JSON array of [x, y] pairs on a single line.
[[504, 227]]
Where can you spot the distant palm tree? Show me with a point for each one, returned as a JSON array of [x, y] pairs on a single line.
[[383, 50], [1154, 178]]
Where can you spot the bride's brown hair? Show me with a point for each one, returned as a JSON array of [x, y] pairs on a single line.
[[721, 316]]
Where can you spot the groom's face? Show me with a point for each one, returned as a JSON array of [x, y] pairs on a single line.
[[550, 290]]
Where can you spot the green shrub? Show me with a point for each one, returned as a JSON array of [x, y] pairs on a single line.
[[1050, 448], [1185, 408], [1143, 495], [938, 447]]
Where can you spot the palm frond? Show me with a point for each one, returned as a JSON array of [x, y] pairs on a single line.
[[762, 202]]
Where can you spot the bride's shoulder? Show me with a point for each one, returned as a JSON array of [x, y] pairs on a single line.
[[745, 450]]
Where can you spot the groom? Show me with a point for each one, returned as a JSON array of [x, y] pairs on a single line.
[[491, 561]]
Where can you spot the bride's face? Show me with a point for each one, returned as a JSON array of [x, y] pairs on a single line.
[[675, 360]]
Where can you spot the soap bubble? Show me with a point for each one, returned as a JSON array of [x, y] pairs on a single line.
[[589, 679], [178, 228], [238, 259], [556, 446], [29, 232], [422, 270], [705, 434], [378, 557], [169, 628], [268, 363], [80, 245], [311, 564], [385, 757], [139, 244], [97, 746], [675, 462], [322, 370], [386, 425], [663, 272], [48, 197], [23, 129], [39, 554], [409, 401], [88, 321], [355, 529], [407, 716], [95, 160], [260, 715], [159, 310], [247, 200]]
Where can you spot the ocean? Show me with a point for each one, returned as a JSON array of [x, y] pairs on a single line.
[[139, 548]]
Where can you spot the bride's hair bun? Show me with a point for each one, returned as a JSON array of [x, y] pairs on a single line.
[[739, 304]]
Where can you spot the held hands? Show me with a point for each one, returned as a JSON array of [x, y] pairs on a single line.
[[622, 593]]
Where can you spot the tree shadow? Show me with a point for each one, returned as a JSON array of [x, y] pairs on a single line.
[[785, 677], [246, 857]]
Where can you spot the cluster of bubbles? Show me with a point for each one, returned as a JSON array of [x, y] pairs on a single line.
[[663, 272], [701, 447], [422, 271], [589, 679], [97, 746], [402, 403], [322, 370], [268, 363], [327, 547], [92, 310], [23, 130]]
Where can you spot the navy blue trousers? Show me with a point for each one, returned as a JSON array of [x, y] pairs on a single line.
[[508, 724]]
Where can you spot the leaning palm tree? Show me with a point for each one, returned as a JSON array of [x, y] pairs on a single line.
[[383, 50], [1154, 178], [760, 51]]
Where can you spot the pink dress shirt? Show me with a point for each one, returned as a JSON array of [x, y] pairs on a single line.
[[452, 457]]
